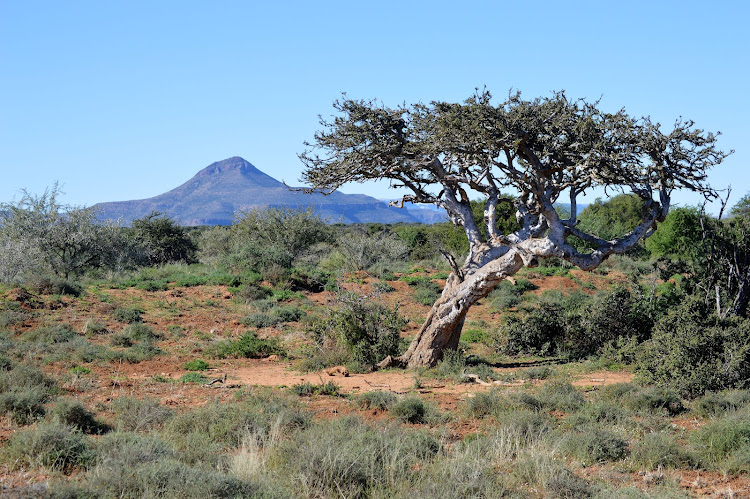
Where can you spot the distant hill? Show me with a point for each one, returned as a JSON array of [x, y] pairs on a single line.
[[216, 193]]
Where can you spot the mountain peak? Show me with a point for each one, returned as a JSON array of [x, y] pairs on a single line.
[[235, 163]]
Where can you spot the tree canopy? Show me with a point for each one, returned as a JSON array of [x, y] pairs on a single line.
[[543, 150]]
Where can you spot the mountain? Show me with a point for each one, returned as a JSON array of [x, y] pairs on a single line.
[[216, 193]]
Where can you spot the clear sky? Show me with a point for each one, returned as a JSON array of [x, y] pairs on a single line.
[[126, 100]]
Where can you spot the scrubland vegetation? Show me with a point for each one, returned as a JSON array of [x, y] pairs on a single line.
[[118, 348]]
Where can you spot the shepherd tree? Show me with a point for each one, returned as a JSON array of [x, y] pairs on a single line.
[[542, 149]]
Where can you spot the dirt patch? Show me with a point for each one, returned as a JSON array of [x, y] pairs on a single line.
[[602, 378]]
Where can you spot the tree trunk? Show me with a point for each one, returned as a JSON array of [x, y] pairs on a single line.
[[442, 328]]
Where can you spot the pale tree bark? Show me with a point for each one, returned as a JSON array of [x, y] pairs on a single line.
[[538, 149]]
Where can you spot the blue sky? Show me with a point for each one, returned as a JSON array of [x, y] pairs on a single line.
[[125, 100]]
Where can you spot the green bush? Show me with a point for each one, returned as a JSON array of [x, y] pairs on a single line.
[[128, 315], [193, 378], [654, 399], [53, 286], [483, 404], [259, 320], [722, 437], [595, 444], [366, 331], [288, 314], [715, 403], [694, 352], [427, 293], [308, 389], [24, 390], [539, 333], [659, 450], [140, 332], [379, 400], [250, 292], [365, 461], [560, 396], [247, 346], [411, 410], [59, 333], [71, 413], [132, 414], [48, 446], [196, 365]]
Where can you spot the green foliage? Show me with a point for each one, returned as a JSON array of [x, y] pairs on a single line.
[[367, 330], [678, 236], [259, 320], [163, 240], [539, 333], [140, 332], [427, 293], [560, 396], [594, 444], [38, 235], [717, 403], [414, 410], [611, 218], [308, 389], [247, 346], [366, 460], [53, 286], [48, 446], [58, 333], [193, 378], [132, 414], [128, 315], [196, 365], [378, 400], [694, 352], [722, 437], [24, 390], [72, 413], [262, 239], [659, 450]]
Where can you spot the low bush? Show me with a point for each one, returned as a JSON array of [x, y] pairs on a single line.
[[364, 330], [247, 346], [128, 315], [560, 396], [58, 333], [51, 447], [722, 437], [193, 378], [259, 320], [483, 404], [249, 292], [541, 470], [594, 444], [659, 450], [427, 293], [71, 413], [196, 365], [24, 390], [140, 332], [716, 403], [132, 414], [53, 286], [415, 410], [308, 389], [288, 313], [378, 400], [693, 351]]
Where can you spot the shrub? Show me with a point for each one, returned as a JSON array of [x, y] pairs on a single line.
[[411, 410], [539, 333], [659, 450], [694, 352], [366, 330], [59, 333], [308, 389], [654, 399], [193, 378], [715, 403], [130, 465], [560, 396], [483, 404], [504, 296], [541, 470], [128, 315], [248, 346], [365, 460], [53, 286], [382, 287], [594, 444], [250, 292], [288, 314], [140, 332], [92, 327], [259, 320], [427, 293], [379, 400], [71, 413], [722, 437], [132, 414], [196, 365], [50, 446], [24, 390]]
